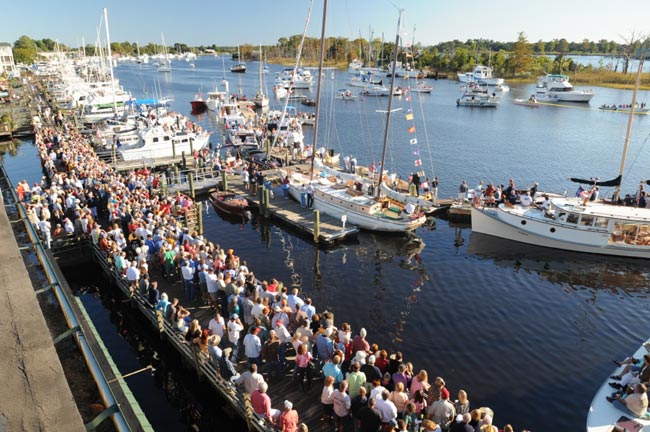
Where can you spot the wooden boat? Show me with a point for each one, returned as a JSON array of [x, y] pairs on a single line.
[[605, 416], [228, 202]]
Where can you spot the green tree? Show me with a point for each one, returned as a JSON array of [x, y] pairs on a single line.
[[521, 59], [563, 46], [25, 50]]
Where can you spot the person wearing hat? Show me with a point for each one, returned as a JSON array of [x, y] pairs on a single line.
[[253, 347], [442, 411], [213, 350], [226, 368], [234, 328], [462, 423], [288, 420]]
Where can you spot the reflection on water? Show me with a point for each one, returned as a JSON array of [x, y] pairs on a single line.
[[575, 270]]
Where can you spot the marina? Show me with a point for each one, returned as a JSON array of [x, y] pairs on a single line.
[[491, 316]]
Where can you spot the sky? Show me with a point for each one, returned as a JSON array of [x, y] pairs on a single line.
[[228, 23]]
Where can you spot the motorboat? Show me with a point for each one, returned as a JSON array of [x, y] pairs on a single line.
[[477, 100], [638, 109], [557, 88], [530, 102], [355, 66], [376, 91], [228, 202], [481, 74], [298, 79], [422, 87], [605, 416], [345, 94], [162, 141], [199, 104]]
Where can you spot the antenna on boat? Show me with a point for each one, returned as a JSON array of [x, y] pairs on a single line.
[[110, 59], [630, 119], [390, 105], [318, 90]]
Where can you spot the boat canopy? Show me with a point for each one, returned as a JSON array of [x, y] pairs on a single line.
[[607, 183]]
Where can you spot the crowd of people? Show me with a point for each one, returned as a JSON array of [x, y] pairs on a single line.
[[272, 331]]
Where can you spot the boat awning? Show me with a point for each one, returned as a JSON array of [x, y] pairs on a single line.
[[596, 182]]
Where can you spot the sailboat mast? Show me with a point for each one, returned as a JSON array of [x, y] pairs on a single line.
[[630, 119], [390, 105], [110, 59], [261, 92], [318, 89]]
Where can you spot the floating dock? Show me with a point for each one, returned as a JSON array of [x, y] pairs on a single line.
[[292, 214]]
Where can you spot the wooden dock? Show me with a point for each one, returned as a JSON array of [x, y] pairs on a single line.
[[293, 215]]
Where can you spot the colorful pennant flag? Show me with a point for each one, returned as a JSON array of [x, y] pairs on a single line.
[[413, 141], [409, 116], [418, 162], [411, 129]]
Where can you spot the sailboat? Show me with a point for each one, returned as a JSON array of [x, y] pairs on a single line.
[[165, 65], [261, 100], [575, 224], [240, 66], [354, 202]]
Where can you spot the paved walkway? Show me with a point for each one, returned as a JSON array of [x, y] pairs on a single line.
[[34, 392]]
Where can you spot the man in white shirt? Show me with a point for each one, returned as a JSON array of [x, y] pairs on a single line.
[[525, 199], [253, 347], [308, 308], [234, 328], [133, 274], [188, 281], [251, 380], [217, 326], [294, 301], [212, 287], [387, 408]]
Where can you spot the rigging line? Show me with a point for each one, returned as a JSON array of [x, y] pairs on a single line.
[[295, 69], [645, 141], [425, 130]]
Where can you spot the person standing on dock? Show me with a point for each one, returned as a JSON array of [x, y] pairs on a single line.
[[310, 195], [188, 281], [288, 420], [234, 328], [253, 347]]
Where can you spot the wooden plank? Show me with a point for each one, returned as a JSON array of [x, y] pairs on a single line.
[[293, 214]]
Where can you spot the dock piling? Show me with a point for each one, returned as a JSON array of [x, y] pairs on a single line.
[[267, 200], [224, 180], [316, 225], [191, 179], [184, 161]]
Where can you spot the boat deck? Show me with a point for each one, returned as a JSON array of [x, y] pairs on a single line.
[[291, 213]]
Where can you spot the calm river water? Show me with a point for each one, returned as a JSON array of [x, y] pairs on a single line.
[[528, 332]]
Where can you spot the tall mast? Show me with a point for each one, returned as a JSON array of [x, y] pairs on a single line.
[[630, 119], [318, 89], [390, 105], [110, 60]]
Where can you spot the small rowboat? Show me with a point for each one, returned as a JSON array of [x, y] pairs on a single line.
[[229, 202]]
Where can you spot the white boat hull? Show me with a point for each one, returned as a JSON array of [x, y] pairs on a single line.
[[603, 415], [494, 222]]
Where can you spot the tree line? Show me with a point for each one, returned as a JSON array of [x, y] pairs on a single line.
[[509, 59]]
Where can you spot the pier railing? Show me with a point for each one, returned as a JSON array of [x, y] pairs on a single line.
[[204, 368], [78, 326]]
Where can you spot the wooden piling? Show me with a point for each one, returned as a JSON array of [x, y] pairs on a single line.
[[184, 161], [191, 179], [316, 225], [200, 217], [224, 180], [267, 201]]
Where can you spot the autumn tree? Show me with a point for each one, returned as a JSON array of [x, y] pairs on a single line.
[[521, 59]]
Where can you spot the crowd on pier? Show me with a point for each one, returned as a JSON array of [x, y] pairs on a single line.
[[261, 332]]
